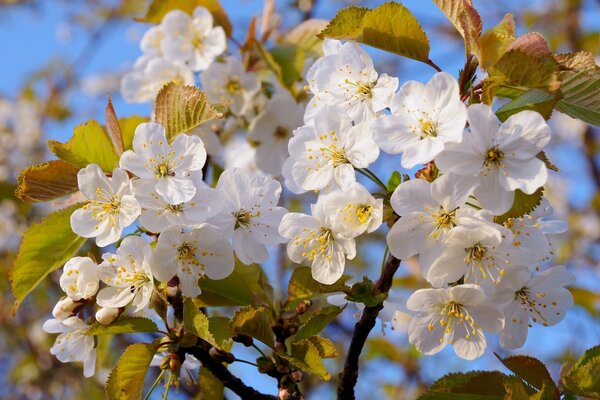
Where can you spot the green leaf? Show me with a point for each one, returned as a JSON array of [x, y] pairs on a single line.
[[256, 322], [47, 181], [475, 385], [530, 369], [548, 392], [390, 27], [366, 293], [534, 99], [181, 108], [325, 346], [209, 386], [305, 356], [246, 285], [494, 42], [394, 181], [158, 9], [126, 381], [303, 286], [46, 246], [196, 322], [516, 389], [90, 144], [522, 205], [581, 95], [220, 328], [317, 322], [123, 325], [128, 126], [584, 378], [290, 59]]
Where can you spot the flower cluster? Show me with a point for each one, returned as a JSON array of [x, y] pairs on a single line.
[[487, 273]]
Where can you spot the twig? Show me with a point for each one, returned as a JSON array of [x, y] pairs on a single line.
[[224, 375], [363, 327], [434, 65]]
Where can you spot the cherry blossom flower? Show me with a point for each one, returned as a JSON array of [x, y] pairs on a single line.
[[171, 169], [110, 205], [250, 215], [424, 118], [328, 151], [319, 241], [346, 77], [151, 41], [192, 40], [190, 256], [127, 275], [157, 214], [500, 157], [272, 130], [230, 83], [541, 299], [72, 344], [457, 315], [79, 279]]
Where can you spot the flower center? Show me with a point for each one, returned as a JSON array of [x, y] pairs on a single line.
[[428, 128], [186, 251], [111, 207], [163, 169], [493, 157], [363, 212], [363, 89], [233, 86], [529, 303], [334, 154], [175, 208], [281, 132], [475, 254], [197, 42], [242, 218], [317, 243], [455, 316], [443, 220]]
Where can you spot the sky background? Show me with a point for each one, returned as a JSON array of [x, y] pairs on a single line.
[[31, 39]]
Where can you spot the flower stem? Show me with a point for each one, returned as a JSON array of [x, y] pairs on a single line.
[[168, 386], [369, 174], [162, 372]]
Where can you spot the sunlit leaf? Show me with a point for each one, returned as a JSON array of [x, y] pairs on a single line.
[[123, 325], [47, 181], [317, 322], [255, 322], [494, 42], [584, 378], [530, 369], [126, 380]]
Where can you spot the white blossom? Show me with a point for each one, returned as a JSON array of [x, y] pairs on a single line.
[[527, 299], [458, 316], [500, 158], [327, 152], [250, 215], [319, 241], [171, 169], [72, 344], [110, 205], [192, 40], [346, 77], [79, 279], [127, 275], [190, 256], [423, 119]]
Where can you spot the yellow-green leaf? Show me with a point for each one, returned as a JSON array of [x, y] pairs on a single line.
[[158, 9], [494, 42], [453, 9], [302, 285], [45, 247], [325, 346], [523, 204], [390, 27], [197, 322], [90, 144], [210, 387], [584, 378], [123, 325], [181, 108], [128, 125], [255, 322], [530, 369], [126, 380], [581, 95], [317, 323], [475, 385], [47, 181], [306, 357]]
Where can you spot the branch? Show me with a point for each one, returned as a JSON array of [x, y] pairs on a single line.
[[363, 327], [224, 375]]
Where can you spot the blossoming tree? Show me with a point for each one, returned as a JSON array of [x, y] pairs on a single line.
[[175, 218]]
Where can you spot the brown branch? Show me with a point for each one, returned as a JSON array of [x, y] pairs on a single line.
[[363, 327], [223, 374]]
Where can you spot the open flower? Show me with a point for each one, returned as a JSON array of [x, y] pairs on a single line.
[[190, 256], [541, 299], [79, 279], [424, 118], [250, 215], [500, 158], [192, 40], [72, 344], [110, 205], [168, 168], [272, 130], [318, 241], [328, 151], [157, 214], [458, 316], [127, 275], [230, 83], [346, 77]]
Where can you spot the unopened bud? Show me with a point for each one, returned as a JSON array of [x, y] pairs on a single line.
[[243, 339], [174, 363], [297, 376], [284, 394], [283, 369], [172, 287], [65, 308], [303, 307], [221, 355], [107, 315]]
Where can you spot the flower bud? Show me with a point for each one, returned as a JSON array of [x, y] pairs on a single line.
[[284, 394], [297, 376], [107, 316], [243, 339], [221, 355], [65, 308]]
